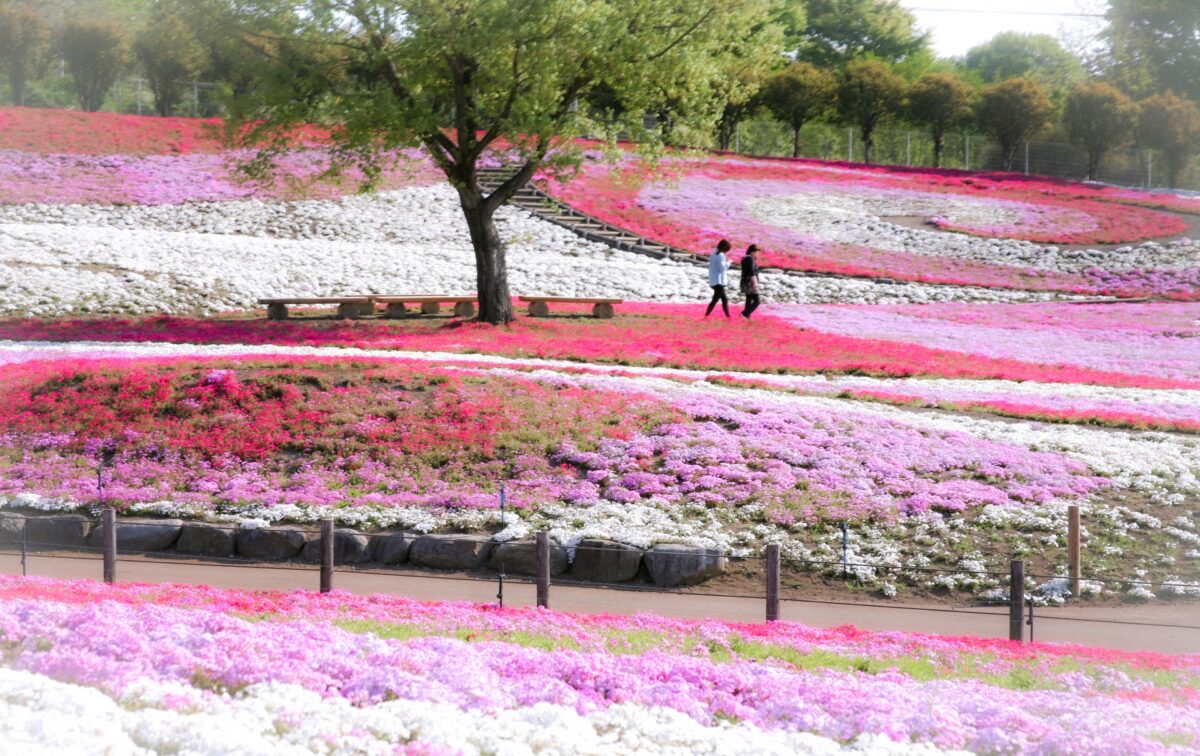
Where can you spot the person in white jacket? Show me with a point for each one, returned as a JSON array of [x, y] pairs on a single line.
[[718, 270]]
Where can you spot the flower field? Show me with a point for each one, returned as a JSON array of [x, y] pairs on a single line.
[[372, 674], [933, 398], [866, 221]]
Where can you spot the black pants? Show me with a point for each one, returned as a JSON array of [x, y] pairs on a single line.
[[718, 296], [752, 302]]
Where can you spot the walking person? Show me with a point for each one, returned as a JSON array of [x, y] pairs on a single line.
[[718, 273], [749, 284]]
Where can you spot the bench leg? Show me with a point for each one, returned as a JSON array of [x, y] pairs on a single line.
[[277, 311], [349, 310], [539, 309], [366, 308], [430, 308], [602, 310], [396, 310], [464, 310]]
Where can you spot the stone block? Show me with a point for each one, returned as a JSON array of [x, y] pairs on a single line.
[[139, 534], [601, 561], [450, 552], [11, 525], [273, 544], [520, 558], [390, 548], [206, 539], [672, 564], [68, 530], [349, 547]]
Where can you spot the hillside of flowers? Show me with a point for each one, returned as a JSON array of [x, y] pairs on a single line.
[[422, 441], [383, 674], [940, 406], [995, 231]]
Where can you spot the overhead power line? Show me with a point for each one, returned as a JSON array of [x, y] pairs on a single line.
[[1007, 12]]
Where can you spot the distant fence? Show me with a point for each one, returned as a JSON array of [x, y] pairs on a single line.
[[1136, 168], [1019, 616]]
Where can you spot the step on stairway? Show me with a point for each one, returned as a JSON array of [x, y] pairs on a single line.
[[548, 208]]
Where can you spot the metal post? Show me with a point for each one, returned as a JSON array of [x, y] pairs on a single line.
[[1026, 157], [1073, 541], [772, 582], [195, 98], [543, 569], [1030, 620], [1149, 169], [327, 543], [500, 592], [109, 524], [1016, 600], [139, 96], [737, 138], [24, 545], [967, 151], [845, 547], [908, 148], [850, 145]]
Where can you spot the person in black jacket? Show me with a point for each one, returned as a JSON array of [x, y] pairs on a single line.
[[749, 284]]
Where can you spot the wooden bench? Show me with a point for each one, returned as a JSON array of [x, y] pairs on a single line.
[[602, 307], [431, 304], [348, 307]]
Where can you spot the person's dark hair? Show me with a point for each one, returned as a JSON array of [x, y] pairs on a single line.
[[724, 245], [751, 249]]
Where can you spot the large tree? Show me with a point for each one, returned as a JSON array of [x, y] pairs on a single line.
[[96, 52], [24, 46], [1036, 56], [1154, 46], [798, 94], [462, 77], [942, 102], [1012, 111], [839, 31], [1171, 124], [169, 54], [868, 94], [1098, 118]]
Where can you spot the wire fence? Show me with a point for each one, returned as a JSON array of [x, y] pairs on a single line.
[[1136, 168], [324, 551]]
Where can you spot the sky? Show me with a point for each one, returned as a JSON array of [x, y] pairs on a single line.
[[959, 25]]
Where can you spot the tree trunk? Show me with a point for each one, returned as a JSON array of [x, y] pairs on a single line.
[[796, 140], [1094, 156], [938, 139], [491, 270], [868, 140], [17, 86]]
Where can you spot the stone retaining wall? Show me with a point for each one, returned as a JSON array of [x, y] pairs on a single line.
[[596, 560]]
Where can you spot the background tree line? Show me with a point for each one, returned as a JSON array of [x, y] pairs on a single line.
[[857, 63]]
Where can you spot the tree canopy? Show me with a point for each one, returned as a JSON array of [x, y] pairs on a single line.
[[839, 31], [797, 94], [1154, 46], [1037, 56], [1012, 111], [868, 94], [941, 101], [1098, 117], [463, 77], [24, 46], [1170, 123]]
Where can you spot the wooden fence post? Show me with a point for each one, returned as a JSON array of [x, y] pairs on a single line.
[[543, 569], [1073, 539], [772, 582], [327, 541], [109, 524], [1016, 601]]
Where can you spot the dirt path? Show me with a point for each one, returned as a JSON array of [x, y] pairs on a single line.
[[1127, 628]]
